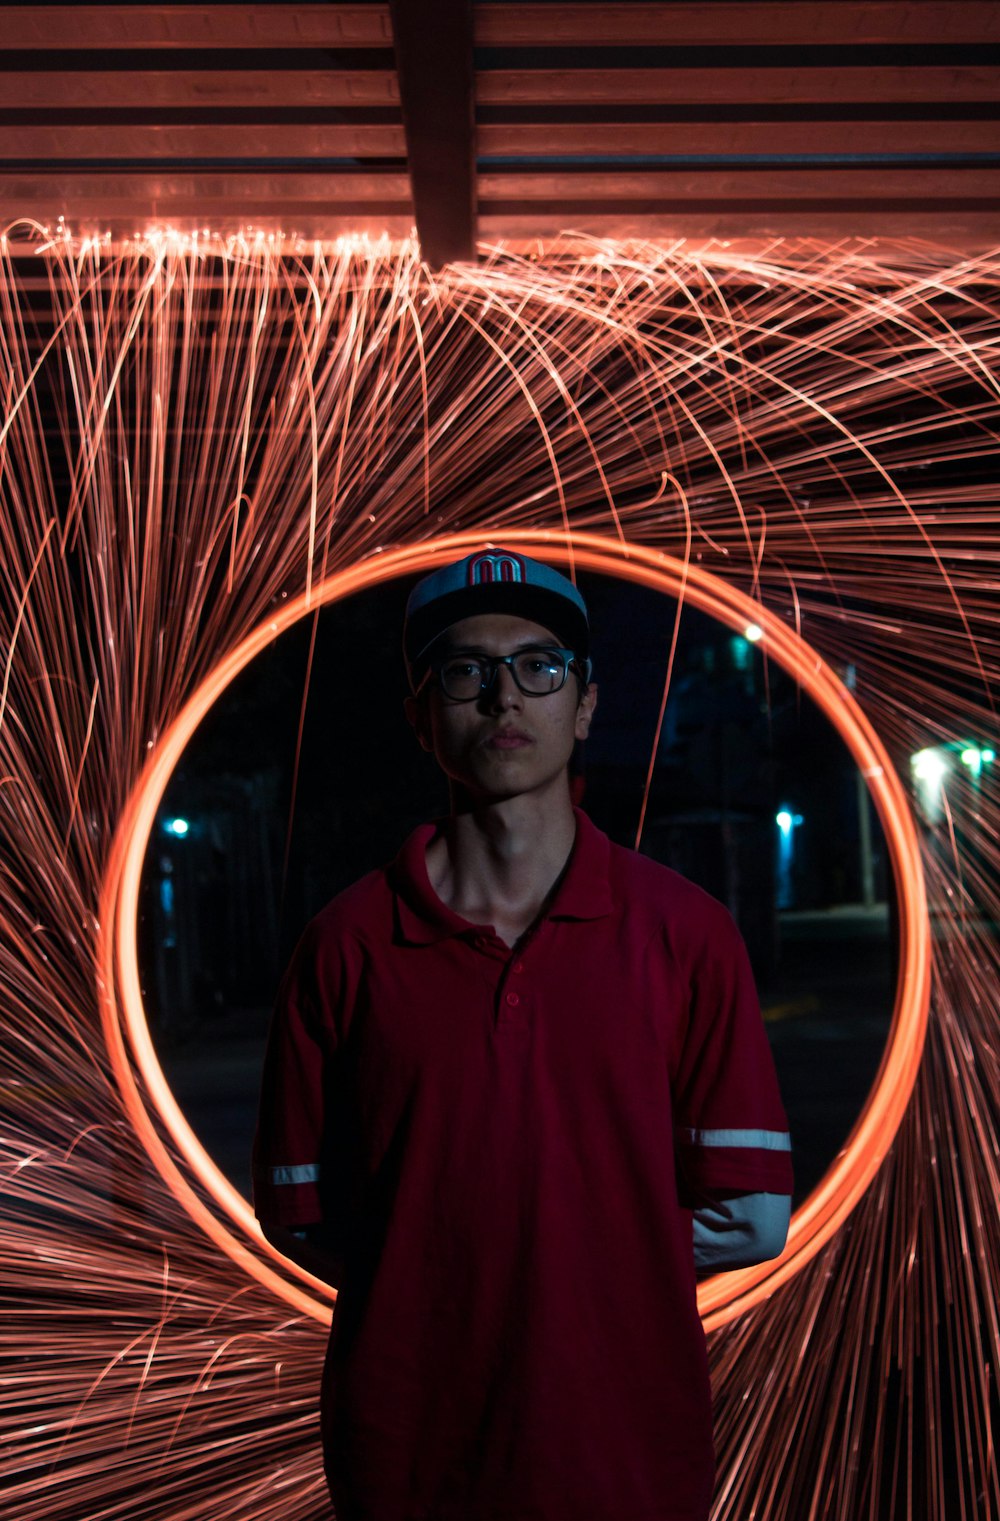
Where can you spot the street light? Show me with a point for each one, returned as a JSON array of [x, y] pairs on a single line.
[[929, 768], [976, 758], [787, 821]]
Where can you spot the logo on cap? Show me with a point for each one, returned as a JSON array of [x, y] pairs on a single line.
[[487, 568]]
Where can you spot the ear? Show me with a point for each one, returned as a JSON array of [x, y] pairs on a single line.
[[415, 709], [585, 711]]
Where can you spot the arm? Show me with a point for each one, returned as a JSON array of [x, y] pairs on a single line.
[[731, 1132], [739, 1231], [297, 1166]]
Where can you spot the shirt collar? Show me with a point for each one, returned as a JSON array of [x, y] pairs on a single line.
[[583, 893]]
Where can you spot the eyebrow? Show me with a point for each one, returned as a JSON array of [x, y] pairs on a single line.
[[526, 644]]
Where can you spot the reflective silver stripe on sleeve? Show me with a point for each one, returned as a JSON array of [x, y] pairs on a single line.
[[761, 1140], [305, 1172]]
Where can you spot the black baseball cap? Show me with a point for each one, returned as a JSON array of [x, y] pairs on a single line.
[[492, 581]]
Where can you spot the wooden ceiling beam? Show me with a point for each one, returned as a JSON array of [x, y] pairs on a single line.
[[516, 24], [435, 72], [306, 221], [131, 215], [211, 113], [127, 89], [954, 227], [239, 88], [731, 86], [913, 136], [175, 193], [58, 27], [736, 23], [261, 141], [599, 188], [214, 140]]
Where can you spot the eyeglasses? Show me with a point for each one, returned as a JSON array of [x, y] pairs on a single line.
[[536, 671]]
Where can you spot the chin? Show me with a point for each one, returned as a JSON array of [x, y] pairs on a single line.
[[517, 782]]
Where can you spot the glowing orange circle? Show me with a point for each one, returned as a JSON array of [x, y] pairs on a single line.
[[720, 1298]]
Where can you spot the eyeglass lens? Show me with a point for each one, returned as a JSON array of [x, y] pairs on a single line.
[[536, 672]]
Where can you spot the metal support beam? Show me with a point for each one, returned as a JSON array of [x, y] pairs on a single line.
[[434, 65]]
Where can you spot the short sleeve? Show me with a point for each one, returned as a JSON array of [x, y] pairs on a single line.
[[731, 1131], [293, 1121]]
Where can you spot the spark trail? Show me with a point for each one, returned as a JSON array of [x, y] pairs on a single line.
[[194, 431]]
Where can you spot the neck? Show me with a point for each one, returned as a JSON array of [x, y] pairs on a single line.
[[498, 862]]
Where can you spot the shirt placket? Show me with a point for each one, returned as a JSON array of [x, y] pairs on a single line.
[[511, 986]]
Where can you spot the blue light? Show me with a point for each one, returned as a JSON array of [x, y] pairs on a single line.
[[975, 758], [177, 826], [786, 821]]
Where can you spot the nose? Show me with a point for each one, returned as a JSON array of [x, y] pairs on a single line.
[[503, 692]]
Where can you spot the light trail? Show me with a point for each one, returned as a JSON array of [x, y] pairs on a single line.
[[197, 440], [826, 1209]]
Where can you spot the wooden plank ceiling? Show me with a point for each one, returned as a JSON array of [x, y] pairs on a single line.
[[507, 119]]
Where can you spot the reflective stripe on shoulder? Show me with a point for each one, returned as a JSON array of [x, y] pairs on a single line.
[[304, 1172], [762, 1140]]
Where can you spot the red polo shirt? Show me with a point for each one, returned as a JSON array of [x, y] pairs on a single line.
[[502, 1146]]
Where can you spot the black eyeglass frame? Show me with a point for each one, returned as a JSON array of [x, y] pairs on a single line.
[[492, 663]]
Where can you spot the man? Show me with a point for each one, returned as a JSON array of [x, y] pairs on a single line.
[[517, 1087]]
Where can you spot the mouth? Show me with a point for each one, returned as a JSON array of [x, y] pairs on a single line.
[[508, 739]]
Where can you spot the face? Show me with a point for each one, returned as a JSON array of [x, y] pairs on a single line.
[[504, 743]]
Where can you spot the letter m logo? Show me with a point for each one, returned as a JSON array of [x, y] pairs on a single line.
[[489, 567]]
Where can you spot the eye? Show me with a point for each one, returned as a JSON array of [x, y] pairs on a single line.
[[540, 660], [456, 669]]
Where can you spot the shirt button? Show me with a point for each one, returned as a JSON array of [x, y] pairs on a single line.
[[513, 999], [518, 966]]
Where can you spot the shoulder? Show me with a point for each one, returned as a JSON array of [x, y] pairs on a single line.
[[685, 912], [352, 910], [635, 876], [334, 938]]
